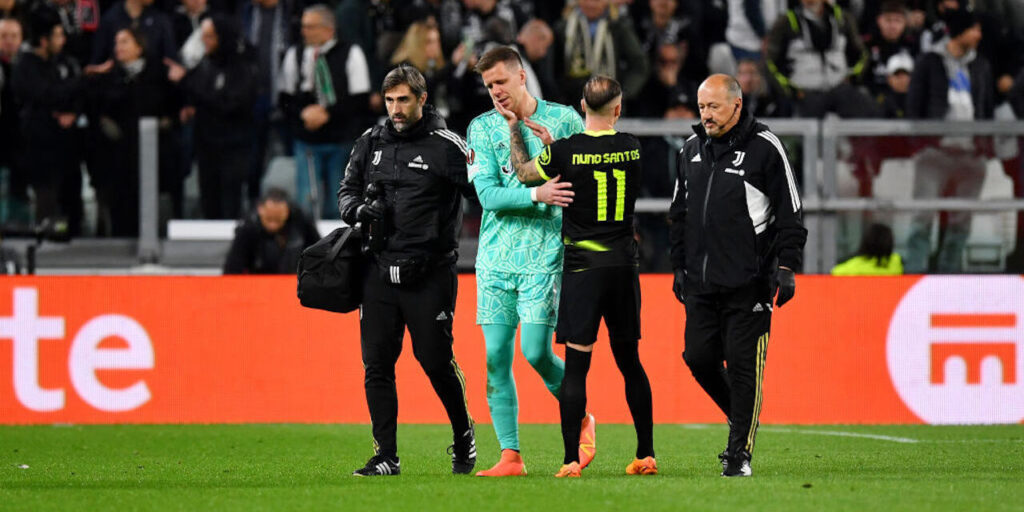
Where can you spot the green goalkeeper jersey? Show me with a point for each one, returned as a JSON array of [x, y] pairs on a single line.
[[516, 235]]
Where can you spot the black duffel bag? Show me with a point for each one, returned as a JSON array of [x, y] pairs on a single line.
[[331, 272]]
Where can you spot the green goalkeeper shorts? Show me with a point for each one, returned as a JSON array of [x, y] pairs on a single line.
[[510, 299]]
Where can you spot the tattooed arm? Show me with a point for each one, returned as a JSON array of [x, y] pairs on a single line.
[[525, 167]]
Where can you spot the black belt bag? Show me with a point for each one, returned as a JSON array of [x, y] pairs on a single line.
[[403, 271], [409, 271]]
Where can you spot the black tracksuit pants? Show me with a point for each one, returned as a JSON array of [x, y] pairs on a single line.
[[426, 308], [731, 326]]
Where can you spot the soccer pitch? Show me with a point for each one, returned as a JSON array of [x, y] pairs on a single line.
[[307, 467]]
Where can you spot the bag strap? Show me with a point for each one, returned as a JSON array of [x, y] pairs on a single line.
[[340, 243]]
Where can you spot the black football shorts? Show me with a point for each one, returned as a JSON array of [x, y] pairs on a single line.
[[612, 293]]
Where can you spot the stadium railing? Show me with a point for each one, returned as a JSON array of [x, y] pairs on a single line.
[[817, 144]]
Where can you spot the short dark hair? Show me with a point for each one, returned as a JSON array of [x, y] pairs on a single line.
[[877, 243], [505, 54], [42, 20], [137, 35], [599, 91], [408, 75], [893, 7], [275, 194]]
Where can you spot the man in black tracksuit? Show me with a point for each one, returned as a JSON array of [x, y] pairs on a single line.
[[403, 183], [737, 237]]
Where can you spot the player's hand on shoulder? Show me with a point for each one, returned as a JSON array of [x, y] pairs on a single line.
[[555, 192], [540, 131]]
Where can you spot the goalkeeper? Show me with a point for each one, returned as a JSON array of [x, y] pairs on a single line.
[[519, 259]]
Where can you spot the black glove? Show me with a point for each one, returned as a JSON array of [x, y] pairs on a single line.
[[370, 212], [785, 283], [677, 285]]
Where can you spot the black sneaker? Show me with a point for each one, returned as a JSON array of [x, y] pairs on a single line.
[[463, 452], [723, 458], [736, 465], [380, 465]]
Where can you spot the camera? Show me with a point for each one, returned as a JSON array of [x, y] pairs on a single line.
[[377, 231]]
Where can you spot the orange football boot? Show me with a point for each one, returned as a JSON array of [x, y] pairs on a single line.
[[571, 470], [588, 440], [644, 466], [510, 464]]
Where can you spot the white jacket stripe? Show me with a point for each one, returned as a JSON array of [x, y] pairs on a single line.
[[793, 194]]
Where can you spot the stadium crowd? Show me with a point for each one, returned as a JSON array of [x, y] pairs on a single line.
[[235, 82]]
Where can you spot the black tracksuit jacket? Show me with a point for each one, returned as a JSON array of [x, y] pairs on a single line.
[[736, 211], [423, 172]]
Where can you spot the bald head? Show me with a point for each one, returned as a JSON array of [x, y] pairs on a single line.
[[722, 81], [720, 101]]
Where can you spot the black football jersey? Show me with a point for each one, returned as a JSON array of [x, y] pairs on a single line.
[[604, 169]]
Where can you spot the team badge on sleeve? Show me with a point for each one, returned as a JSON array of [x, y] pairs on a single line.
[[545, 156]]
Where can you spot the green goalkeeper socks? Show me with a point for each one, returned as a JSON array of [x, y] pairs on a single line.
[[536, 345], [501, 386]]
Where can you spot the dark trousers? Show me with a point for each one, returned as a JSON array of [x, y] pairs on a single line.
[[426, 308], [731, 326], [222, 171]]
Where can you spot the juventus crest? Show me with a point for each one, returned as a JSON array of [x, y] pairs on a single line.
[[739, 158]]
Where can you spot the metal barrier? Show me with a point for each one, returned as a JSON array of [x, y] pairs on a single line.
[[820, 161]]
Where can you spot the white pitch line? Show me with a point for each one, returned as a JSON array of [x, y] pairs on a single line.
[[834, 433], [838, 433]]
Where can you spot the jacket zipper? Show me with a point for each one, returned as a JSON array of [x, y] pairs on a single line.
[[397, 169], [704, 223]]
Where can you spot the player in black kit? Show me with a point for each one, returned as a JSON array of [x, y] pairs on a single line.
[[601, 269]]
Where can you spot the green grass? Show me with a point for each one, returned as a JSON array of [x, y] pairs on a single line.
[[306, 467]]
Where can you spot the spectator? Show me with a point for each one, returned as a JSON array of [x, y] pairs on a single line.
[[325, 96], [662, 26], [47, 113], [594, 39], [759, 97], [749, 21], [875, 256], [668, 93], [466, 94], [267, 27], [130, 88], [10, 133], [270, 239], [950, 82], [892, 101], [11, 38], [534, 44], [476, 14], [154, 24], [80, 19], [813, 52], [667, 25], [219, 93], [887, 37], [935, 24], [421, 49]]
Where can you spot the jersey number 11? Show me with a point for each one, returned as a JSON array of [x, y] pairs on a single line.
[[602, 194]]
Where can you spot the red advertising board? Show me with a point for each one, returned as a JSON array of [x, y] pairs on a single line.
[[241, 349]]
